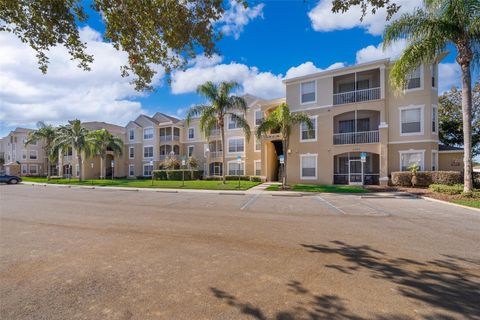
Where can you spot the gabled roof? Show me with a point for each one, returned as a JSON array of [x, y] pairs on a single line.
[[98, 125], [162, 117], [146, 117]]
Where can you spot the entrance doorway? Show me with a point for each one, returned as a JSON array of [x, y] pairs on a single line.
[[273, 151], [349, 169], [355, 174]]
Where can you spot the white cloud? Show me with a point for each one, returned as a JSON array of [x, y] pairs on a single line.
[[203, 61], [449, 75], [309, 68], [372, 52], [236, 17], [65, 92], [324, 20]]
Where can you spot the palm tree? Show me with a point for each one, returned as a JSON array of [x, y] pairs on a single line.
[[222, 104], [73, 136], [46, 133], [283, 120], [428, 32], [100, 142]]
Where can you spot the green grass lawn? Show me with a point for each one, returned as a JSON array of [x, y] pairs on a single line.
[[193, 184], [320, 188], [474, 203]]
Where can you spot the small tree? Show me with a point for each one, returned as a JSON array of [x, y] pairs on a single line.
[[192, 162], [171, 163], [100, 142], [414, 168], [283, 120]]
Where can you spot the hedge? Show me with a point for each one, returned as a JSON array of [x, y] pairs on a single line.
[[426, 178], [451, 190], [232, 178], [177, 174]]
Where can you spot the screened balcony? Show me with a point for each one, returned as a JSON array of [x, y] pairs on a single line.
[[165, 151], [357, 87], [166, 134], [356, 127]]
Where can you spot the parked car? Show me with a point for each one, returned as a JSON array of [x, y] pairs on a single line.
[[5, 178]]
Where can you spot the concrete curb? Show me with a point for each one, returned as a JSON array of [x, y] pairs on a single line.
[[449, 203]]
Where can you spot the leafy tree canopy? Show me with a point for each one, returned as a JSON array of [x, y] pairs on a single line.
[[374, 5], [157, 32], [450, 118]]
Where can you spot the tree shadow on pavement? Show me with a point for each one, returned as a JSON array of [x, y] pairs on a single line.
[[443, 283]]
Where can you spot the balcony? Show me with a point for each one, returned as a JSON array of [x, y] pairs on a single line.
[[67, 158], [215, 155], [356, 96], [166, 138], [164, 157], [356, 137]]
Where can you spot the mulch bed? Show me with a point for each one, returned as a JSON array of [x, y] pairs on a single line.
[[425, 192]]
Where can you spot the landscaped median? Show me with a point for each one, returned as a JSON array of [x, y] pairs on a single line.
[[319, 188], [138, 183]]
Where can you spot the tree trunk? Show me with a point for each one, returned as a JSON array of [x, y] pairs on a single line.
[[48, 169], [284, 178], [80, 171], [103, 167], [222, 128], [467, 126]]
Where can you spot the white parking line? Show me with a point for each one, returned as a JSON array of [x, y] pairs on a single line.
[[329, 204], [250, 201]]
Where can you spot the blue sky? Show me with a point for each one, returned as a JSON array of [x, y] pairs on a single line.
[[262, 44]]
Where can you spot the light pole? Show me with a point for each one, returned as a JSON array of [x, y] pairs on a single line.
[[91, 166], [183, 171], [113, 168], [207, 151]]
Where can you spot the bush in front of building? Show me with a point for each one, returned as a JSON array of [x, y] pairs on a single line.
[[426, 178], [177, 174], [255, 179], [243, 178], [447, 189]]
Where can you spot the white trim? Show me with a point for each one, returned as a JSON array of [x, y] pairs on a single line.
[[315, 128], [153, 133], [432, 69], [143, 171], [229, 118], [36, 154], [434, 158], [300, 89], [129, 167], [131, 130], [236, 162], [422, 120], [255, 145], [24, 168], [382, 125], [188, 133], [143, 152], [254, 167], [413, 141], [130, 157], [316, 166], [24, 153], [313, 108], [237, 152], [255, 115], [188, 151], [422, 75], [34, 166], [435, 107], [410, 151]]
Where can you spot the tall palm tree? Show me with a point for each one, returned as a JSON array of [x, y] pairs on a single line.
[[100, 142], [47, 134], [73, 136], [283, 120], [428, 32], [222, 104]]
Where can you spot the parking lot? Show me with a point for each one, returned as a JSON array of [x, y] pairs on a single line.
[[78, 253]]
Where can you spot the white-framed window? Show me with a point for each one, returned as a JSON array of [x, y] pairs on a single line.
[[308, 135], [131, 152], [24, 154], [190, 151], [24, 169], [411, 157], [33, 169], [191, 133], [147, 133], [148, 152], [33, 154], [434, 75], [258, 167], [308, 166], [235, 168], [258, 117], [147, 170], [308, 92], [434, 160], [131, 134], [411, 120], [257, 145], [236, 145], [232, 124], [434, 119], [415, 79], [131, 170], [77, 170]]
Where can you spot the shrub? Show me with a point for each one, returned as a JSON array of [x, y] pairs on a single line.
[[177, 174], [447, 177], [447, 189], [159, 174], [476, 180], [255, 179], [426, 178], [192, 162], [171, 163], [213, 178], [243, 178], [403, 178]]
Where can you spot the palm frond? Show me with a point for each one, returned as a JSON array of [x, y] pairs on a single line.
[[265, 126], [242, 122], [195, 112]]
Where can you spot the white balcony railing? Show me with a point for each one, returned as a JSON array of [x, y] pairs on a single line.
[[356, 96], [164, 157], [166, 138], [215, 154], [356, 137]]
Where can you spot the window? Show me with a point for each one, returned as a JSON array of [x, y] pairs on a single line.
[[33, 169], [148, 152], [434, 160], [434, 119], [24, 169], [236, 145], [131, 152], [434, 76], [414, 79], [77, 170], [309, 135], [409, 158], [235, 168], [32, 155], [131, 134], [258, 167], [191, 133], [147, 170], [147, 133], [411, 120], [24, 154], [131, 170], [232, 124], [308, 166], [308, 92], [258, 117], [258, 145], [190, 151]]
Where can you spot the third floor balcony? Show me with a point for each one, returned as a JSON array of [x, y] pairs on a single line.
[[357, 87]]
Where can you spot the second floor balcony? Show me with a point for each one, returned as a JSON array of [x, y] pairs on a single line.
[[356, 127], [357, 87]]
